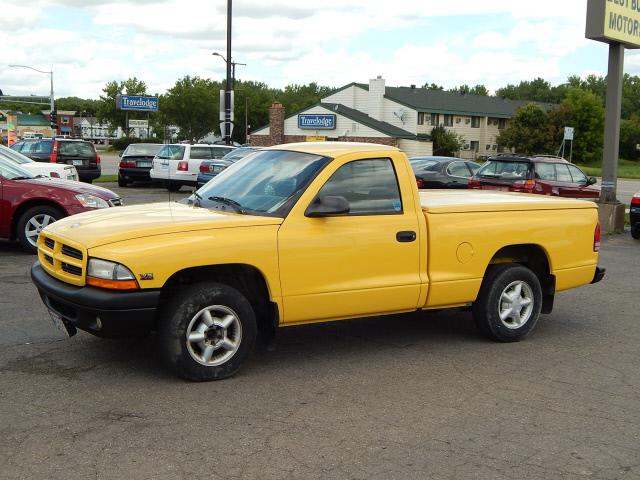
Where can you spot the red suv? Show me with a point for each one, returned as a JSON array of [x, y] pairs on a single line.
[[29, 203], [545, 175]]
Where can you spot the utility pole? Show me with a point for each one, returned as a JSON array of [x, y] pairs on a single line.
[[227, 93]]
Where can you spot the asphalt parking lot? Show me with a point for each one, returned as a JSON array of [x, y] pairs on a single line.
[[412, 396]]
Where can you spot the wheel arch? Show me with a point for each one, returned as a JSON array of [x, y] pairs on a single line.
[[536, 258], [36, 202], [247, 279]]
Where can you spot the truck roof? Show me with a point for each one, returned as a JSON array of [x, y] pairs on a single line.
[[333, 149]]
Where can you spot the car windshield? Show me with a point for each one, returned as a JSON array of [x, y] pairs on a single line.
[[142, 149], [12, 171], [267, 183], [504, 169], [238, 153], [13, 155], [171, 152]]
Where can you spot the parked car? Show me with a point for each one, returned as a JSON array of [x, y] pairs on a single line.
[[53, 170], [79, 153], [178, 164], [211, 168], [442, 172], [136, 162], [546, 175], [634, 216], [28, 203]]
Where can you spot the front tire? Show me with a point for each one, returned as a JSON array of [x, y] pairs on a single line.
[[207, 331], [509, 302], [635, 232], [31, 223]]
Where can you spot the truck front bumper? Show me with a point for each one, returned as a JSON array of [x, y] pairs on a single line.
[[100, 312]]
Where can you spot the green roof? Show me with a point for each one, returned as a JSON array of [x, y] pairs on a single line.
[[25, 120], [364, 119], [438, 101]]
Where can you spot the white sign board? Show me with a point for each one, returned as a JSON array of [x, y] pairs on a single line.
[[568, 133], [138, 124], [222, 105]]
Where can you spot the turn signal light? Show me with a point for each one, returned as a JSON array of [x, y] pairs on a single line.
[[420, 183], [596, 238], [635, 200], [127, 164], [204, 168], [183, 166], [523, 185], [54, 153], [473, 184], [112, 284]]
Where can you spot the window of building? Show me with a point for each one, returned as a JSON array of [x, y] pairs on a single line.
[[421, 118], [448, 120], [370, 187], [435, 119], [65, 120], [475, 122], [475, 145], [502, 123]]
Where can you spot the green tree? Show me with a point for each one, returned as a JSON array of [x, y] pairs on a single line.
[[88, 107], [630, 138], [298, 97], [432, 86], [466, 89], [537, 90], [445, 143], [257, 97], [528, 131], [106, 107], [582, 110], [193, 105]]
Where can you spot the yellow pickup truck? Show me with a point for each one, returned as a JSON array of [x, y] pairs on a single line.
[[310, 232]]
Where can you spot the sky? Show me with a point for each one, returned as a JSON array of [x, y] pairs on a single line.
[[282, 42]]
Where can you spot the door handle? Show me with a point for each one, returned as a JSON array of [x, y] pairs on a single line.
[[406, 236]]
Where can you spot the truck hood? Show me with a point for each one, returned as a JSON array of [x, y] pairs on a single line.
[[461, 201], [109, 225]]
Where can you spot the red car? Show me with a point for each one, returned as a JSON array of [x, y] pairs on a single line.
[[29, 203], [545, 175]]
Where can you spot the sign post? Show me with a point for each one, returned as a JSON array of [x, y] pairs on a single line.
[[617, 23]]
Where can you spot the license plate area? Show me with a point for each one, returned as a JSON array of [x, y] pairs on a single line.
[[76, 162], [144, 164], [60, 324]]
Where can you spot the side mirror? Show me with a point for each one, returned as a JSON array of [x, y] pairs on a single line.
[[592, 181], [327, 206]]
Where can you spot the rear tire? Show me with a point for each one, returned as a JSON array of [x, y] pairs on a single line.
[[121, 182], [32, 222], [207, 331], [509, 302], [635, 232]]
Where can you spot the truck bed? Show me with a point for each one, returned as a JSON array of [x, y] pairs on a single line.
[[463, 201]]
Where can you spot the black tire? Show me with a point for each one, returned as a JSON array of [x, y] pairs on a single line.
[[635, 232], [27, 216], [500, 279], [122, 182], [174, 186], [184, 309]]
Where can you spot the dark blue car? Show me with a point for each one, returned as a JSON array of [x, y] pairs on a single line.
[[211, 168]]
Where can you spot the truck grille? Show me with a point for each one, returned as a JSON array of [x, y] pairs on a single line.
[[72, 269], [49, 243], [61, 260], [69, 251]]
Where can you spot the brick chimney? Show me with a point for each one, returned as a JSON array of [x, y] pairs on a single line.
[[276, 124], [376, 97]]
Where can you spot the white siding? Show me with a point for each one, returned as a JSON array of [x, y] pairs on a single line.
[[263, 131], [343, 124], [352, 97], [414, 148]]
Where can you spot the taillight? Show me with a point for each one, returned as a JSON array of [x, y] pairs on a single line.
[[473, 183], [97, 155], [54, 152], [127, 164], [420, 183], [523, 185], [635, 200], [183, 166], [203, 168], [596, 238], [54, 175]]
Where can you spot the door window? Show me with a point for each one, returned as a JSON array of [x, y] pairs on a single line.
[[546, 171], [458, 169], [562, 173], [474, 167], [370, 187], [577, 174]]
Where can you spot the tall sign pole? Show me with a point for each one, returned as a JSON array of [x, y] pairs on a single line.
[[616, 23], [229, 88]]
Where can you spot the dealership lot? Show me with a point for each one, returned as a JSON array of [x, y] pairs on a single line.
[[406, 396]]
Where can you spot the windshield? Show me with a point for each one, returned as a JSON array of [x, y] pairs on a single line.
[[504, 169], [266, 183], [13, 155], [171, 152], [142, 149], [12, 171], [238, 153]]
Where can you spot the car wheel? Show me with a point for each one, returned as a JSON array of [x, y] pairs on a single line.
[[207, 332], [509, 302], [635, 232], [31, 223], [173, 186], [121, 182]]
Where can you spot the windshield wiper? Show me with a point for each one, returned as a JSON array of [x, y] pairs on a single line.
[[239, 208]]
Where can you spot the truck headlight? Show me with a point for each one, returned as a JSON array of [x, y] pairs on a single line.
[[112, 275], [91, 201]]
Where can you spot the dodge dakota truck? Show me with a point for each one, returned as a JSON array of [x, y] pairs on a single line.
[[310, 232]]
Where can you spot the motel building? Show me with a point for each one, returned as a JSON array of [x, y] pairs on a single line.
[[402, 117]]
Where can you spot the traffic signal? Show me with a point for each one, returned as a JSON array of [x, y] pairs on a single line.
[[53, 117]]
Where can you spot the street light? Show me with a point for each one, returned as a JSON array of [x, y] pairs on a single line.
[[231, 80], [41, 71]]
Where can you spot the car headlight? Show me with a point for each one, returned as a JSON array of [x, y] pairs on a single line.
[[91, 201], [112, 275]]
